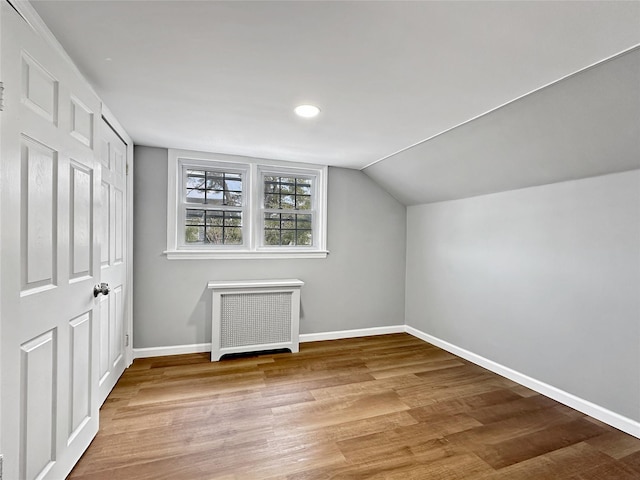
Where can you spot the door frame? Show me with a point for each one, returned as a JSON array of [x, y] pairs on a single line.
[[109, 118]]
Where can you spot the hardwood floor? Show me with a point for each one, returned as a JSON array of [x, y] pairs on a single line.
[[386, 407]]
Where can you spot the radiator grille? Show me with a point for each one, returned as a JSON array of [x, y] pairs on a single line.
[[255, 318]]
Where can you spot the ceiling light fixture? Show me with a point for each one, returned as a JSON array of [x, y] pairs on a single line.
[[307, 111]]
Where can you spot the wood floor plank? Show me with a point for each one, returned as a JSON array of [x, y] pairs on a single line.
[[615, 445], [607, 471], [632, 461], [385, 407], [343, 431], [503, 411], [514, 427], [338, 410], [464, 404], [557, 465], [524, 447]]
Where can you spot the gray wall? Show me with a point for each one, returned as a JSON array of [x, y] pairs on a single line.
[[359, 285], [544, 280]]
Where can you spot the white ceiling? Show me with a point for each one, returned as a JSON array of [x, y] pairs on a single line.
[[225, 76]]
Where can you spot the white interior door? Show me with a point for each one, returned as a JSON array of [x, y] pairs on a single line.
[[50, 257], [113, 259]]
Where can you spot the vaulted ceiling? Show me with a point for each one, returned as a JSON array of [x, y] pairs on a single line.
[[397, 83]]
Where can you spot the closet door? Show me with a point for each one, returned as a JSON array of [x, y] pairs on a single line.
[[113, 260], [50, 257]]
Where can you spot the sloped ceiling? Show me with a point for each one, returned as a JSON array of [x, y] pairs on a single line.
[[224, 77], [585, 125]]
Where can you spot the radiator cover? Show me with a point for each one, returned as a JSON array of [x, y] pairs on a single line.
[[254, 315]]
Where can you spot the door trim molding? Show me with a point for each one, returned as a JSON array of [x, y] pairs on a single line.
[[109, 118]]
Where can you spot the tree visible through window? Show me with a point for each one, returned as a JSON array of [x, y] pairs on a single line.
[[225, 206], [288, 215], [217, 218]]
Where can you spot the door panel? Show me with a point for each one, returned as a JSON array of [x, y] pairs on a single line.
[[50, 182], [113, 259], [105, 236], [80, 375], [37, 397], [81, 221], [39, 89], [38, 179]]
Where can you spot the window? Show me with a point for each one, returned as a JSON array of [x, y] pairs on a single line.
[[287, 210], [213, 206], [222, 206]]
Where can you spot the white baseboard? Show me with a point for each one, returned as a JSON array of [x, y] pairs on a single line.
[[616, 420], [305, 337], [173, 350], [360, 332]]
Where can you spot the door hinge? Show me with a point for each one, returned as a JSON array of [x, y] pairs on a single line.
[[126, 344], [127, 169], [1, 96]]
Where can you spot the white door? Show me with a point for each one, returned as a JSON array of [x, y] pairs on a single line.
[[50, 257], [113, 254]]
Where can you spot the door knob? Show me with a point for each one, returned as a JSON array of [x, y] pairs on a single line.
[[103, 289]]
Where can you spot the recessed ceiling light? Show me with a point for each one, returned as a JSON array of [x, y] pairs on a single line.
[[307, 111]]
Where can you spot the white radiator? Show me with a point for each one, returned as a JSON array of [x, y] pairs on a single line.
[[254, 315]]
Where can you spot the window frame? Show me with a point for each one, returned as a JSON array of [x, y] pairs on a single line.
[[253, 171], [219, 167], [268, 170]]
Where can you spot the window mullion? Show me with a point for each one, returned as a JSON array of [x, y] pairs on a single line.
[[252, 207]]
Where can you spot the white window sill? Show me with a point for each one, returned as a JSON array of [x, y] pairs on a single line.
[[242, 254]]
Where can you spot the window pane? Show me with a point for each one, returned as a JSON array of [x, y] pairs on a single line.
[[233, 219], [303, 222], [214, 197], [233, 199], [271, 201], [271, 185], [272, 220], [304, 237], [233, 184], [213, 187], [272, 237], [303, 187], [288, 201], [195, 196], [215, 181], [287, 184], [195, 179], [303, 202], [217, 227], [233, 236], [195, 217], [287, 222], [288, 237], [194, 234], [288, 229], [215, 218], [215, 235]]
